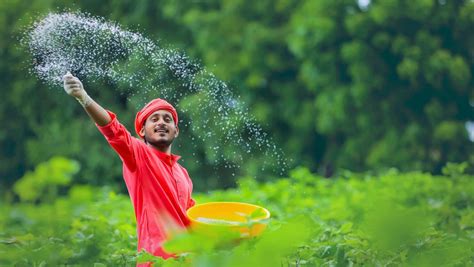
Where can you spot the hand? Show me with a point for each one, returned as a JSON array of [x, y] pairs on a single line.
[[73, 87]]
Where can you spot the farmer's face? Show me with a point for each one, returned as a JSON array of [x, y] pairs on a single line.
[[159, 129]]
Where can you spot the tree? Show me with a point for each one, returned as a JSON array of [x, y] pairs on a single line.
[[376, 86], [336, 84]]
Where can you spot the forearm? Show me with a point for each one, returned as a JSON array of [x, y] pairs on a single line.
[[97, 113]]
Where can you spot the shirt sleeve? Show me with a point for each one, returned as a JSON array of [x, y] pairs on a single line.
[[191, 203], [120, 139]]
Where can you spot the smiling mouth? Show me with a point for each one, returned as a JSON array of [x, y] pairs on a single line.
[[163, 131]]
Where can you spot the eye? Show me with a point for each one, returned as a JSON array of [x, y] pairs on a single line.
[[154, 119], [167, 119]]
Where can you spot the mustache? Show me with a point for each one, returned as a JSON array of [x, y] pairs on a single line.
[[160, 128]]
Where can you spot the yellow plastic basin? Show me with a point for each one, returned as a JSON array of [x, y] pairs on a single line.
[[216, 217]]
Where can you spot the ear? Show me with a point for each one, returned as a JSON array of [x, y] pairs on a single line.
[[177, 132], [142, 131]]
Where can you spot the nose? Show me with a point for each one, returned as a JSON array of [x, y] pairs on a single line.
[[161, 121]]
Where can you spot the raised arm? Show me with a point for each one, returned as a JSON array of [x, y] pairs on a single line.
[[73, 87]]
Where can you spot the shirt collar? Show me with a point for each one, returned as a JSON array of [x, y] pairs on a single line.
[[169, 159]]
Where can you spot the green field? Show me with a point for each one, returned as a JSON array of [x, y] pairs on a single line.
[[393, 219]]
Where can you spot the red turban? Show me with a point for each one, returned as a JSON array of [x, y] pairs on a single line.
[[154, 105]]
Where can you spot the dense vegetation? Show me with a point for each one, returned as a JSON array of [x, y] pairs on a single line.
[[337, 84], [393, 219]]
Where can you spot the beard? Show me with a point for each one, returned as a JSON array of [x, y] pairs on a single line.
[[161, 143]]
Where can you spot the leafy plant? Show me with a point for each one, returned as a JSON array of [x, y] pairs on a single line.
[[356, 219]]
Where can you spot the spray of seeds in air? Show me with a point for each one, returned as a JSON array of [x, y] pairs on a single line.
[[94, 49]]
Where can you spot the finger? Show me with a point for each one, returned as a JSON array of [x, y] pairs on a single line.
[[69, 74], [71, 83], [72, 79], [73, 86]]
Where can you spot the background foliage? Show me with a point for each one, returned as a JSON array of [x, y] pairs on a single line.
[[336, 83]]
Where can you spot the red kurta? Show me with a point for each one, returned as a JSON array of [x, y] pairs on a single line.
[[159, 187]]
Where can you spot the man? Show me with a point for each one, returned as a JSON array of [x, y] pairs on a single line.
[[159, 187]]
